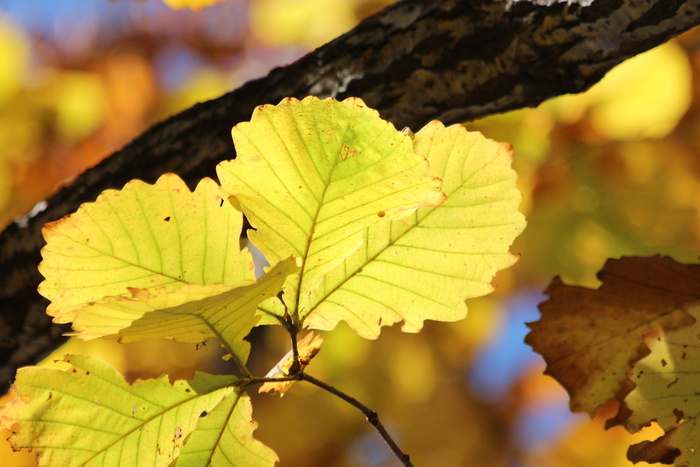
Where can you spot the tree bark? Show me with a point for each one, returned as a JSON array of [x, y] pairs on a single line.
[[418, 60]]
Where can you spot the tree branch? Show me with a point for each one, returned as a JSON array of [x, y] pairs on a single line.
[[415, 61], [370, 414]]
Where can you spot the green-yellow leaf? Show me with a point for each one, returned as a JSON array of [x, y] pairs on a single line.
[[426, 265], [88, 415], [144, 237], [312, 175], [224, 437], [192, 313]]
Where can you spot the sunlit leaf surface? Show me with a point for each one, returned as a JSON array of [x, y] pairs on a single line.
[[311, 175], [88, 415], [143, 237], [224, 437], [192, 313], [426, 265]]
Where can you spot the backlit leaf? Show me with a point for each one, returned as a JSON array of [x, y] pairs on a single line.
[[590, 338], [426, 265], [224, 436], [88, 415], [192, 313], [143, 237], [312, 175]]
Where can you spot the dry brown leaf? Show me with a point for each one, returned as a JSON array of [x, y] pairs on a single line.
[[666, 392], [591, 338]]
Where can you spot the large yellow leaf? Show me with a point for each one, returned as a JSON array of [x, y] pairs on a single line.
[[426, 265], [192, 313], [143, 237], [88, 415], [312, 175]]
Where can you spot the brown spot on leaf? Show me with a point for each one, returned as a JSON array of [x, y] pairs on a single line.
[[167, 219], [346, 152], [680, 416]]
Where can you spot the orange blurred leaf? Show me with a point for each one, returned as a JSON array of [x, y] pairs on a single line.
[[191, 4]]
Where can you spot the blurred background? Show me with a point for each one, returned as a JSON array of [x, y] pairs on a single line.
[[614, 171]]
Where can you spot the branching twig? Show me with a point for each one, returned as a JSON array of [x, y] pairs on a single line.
[[371, 415], [296, 373]]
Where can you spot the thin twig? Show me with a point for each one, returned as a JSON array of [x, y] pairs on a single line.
[[239, 363], [291, 325], [295, 368], [371, 415], [265, 379]]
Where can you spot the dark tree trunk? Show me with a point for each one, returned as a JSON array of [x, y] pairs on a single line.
[[452, 60]]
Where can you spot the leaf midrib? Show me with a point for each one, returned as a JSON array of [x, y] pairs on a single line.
[[428, 212]]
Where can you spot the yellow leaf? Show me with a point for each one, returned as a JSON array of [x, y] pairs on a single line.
[[644, 97], [426, 265], [312, 175], [142, 237], [14, 59], [192, 313], [224, 437], [292, 22], [88, 415]]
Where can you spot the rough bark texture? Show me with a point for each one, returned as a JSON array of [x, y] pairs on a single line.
[[419, 60]]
